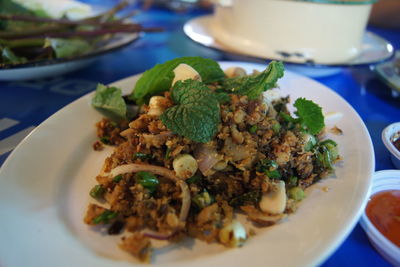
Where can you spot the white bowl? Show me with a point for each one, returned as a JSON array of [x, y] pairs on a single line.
[[323, 31], [387, 136], [382, 181]]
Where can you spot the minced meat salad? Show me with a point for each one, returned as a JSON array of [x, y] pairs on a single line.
[[202, 145]]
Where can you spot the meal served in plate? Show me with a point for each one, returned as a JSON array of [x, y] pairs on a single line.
[[201, 146]]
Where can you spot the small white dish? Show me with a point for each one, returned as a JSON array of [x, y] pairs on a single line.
[[387, 138], [374, 49], [59, 66], [382, 181]]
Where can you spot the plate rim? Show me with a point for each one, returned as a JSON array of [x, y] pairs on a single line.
[[246, 56], [340, 235]]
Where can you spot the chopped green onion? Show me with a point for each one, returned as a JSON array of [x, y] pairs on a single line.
[[328, 141], [97, 191], [253, 129], [296, 193], [276, 127], [292, 181], [167, 153], [142, 156], [117, 178], [195, 179], [274, 174], [105, 217], [286, 117], [147, 180], [105, 140], [202, 200]]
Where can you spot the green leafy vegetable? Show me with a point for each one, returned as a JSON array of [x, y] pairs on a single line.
[[196, 113], [65, 48], [223, 97], [254, 86], [310, 115], [109, 101], [8, 56], [147, 180], [160, 77]]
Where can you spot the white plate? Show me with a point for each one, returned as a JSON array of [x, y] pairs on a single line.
[[374, 50], [59, 66], [44, 187]]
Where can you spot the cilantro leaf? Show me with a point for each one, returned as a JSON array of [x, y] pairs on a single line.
[[160, 77], [310, 115], [254, 86], [196, 113], [109, 102]]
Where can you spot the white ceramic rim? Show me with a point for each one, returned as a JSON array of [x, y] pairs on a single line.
[[387, 133], [385, 247]]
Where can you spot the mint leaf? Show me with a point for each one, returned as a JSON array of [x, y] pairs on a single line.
[[160, 77], [65, 48], [109, 102], [310, 115], [196, 113], [222, 97], [254, 86]]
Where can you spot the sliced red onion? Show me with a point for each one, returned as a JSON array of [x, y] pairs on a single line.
[[158, 236], [206, 157], [134, 167]]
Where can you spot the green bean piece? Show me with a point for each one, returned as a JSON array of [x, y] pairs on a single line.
[[195, 179], [276, 127], [97, 191], [105, 217], [296, 193], [142, 156], [147, 180], [105, 140], [292, 181], [117, 178], [202, 200], [167, 153], [253, 129], [274, 174]]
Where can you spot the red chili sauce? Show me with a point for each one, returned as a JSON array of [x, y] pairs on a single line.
[[383, 210]]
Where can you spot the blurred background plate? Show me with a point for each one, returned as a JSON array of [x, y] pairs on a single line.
[[374, 50], [58, 66]]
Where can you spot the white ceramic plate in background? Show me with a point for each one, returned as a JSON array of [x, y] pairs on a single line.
[[59, 66], [374, 49], [44, 187]]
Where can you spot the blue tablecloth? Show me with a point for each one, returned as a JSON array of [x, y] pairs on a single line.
[[24, 105]]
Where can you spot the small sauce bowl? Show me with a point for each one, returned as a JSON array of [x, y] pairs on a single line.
[[382, 181], [387, 137]]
